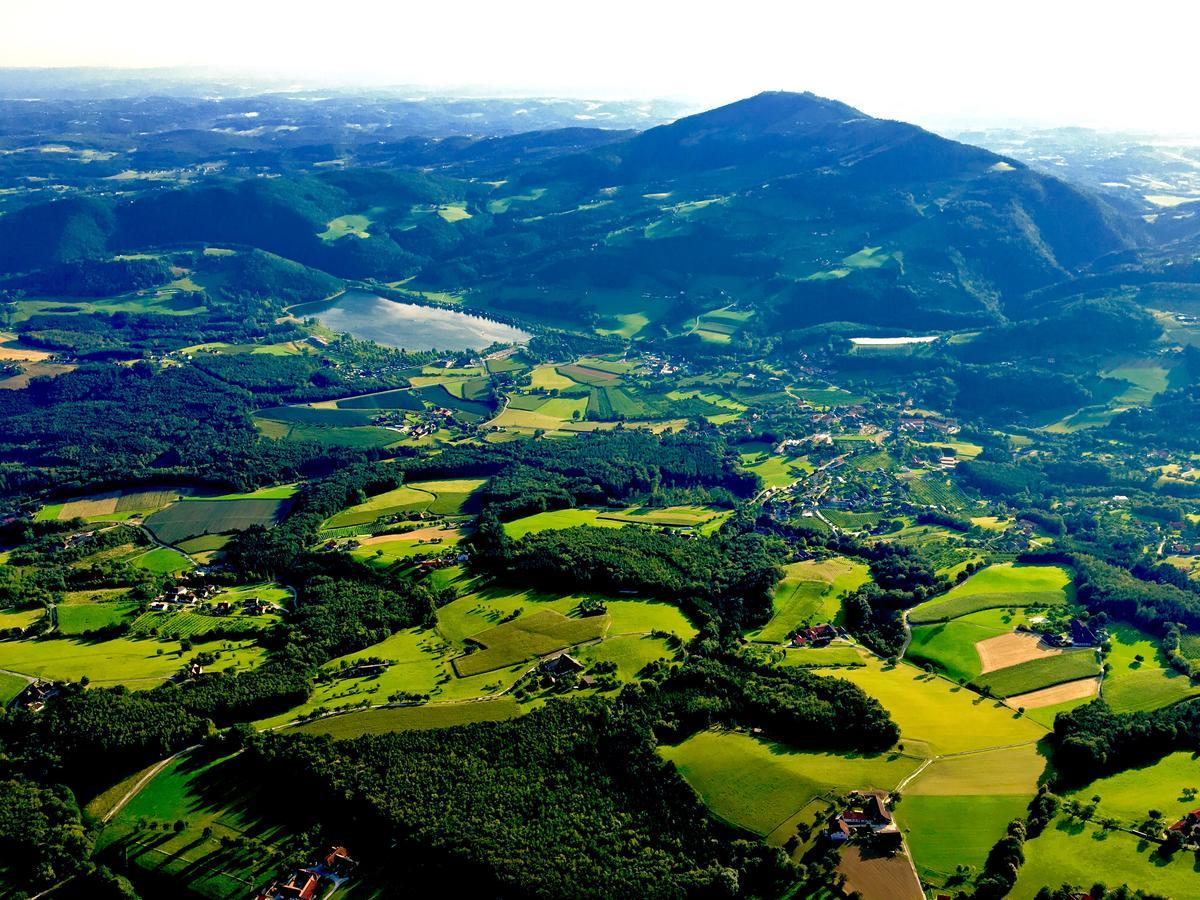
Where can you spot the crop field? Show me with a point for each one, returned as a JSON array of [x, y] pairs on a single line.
[[389, 503], [526, 638], [1001, 585], [362, 438], [761, 786], [550, 379], [587, 375], [936, 490], [1041, 673], [136, 663], [810, 592], [112, 506], [451, 497], [401, 398], [1012, 649], [951, 646], [676, 516], [410, 718], [936, 716], [189, 518], [1059, 695], [388, 548], [307, 415], [196, 854]]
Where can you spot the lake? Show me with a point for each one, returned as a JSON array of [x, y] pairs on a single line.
[[893, 341], [406, 325]]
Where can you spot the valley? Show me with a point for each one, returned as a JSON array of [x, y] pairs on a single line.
[[774, 501]]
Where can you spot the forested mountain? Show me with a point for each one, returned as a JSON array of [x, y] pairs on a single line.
[[804, 208]]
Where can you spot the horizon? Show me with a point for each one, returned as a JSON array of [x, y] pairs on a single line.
[[1104, 72]]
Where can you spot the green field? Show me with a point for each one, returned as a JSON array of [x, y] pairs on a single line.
[[10, 686], [1040, 673], [776, 471], [950, 646], [183, 791], [936, 716], [20, 618], [810, 592], [422, 658], [77, 618], [136, 663], [410, 718], [162, 561], [1083, 854], [762, 786], [944, 832], [452, 497], [402, 499], [527, 638], [1001, 585], [1150, 683], [189, 518]]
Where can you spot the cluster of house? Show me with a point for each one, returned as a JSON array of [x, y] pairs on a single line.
[[866, 813], [815, 636], [941, 424], [1079, 634], [335, 866], [183, 596], [77, 539], [1181, 549]]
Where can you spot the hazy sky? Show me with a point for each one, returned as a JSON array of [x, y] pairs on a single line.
[[936, 62]]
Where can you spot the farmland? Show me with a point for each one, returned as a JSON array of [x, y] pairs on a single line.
[[936, 716], [810, 592], [1041, 673], [137, 663], [190, 518], [406, 718], [1134, 684], [1002, 585], [764, 787], [204, 850]]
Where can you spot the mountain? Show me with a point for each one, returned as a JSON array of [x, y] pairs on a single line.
[[798, 208]]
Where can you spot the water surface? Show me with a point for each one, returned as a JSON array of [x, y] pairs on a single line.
[[408, 326]]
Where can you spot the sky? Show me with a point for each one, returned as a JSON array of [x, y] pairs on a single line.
[[941, 64]]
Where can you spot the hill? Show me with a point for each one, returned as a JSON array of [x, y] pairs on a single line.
[[804, 209]]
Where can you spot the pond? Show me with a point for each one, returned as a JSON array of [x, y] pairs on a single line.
[[408, 326]]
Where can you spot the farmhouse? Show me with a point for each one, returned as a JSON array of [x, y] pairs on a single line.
[[816, 636], [1189, 827], [1082, 635], [300, 885], [866, 814], [35, 695], [337, 862], [561, 664]]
